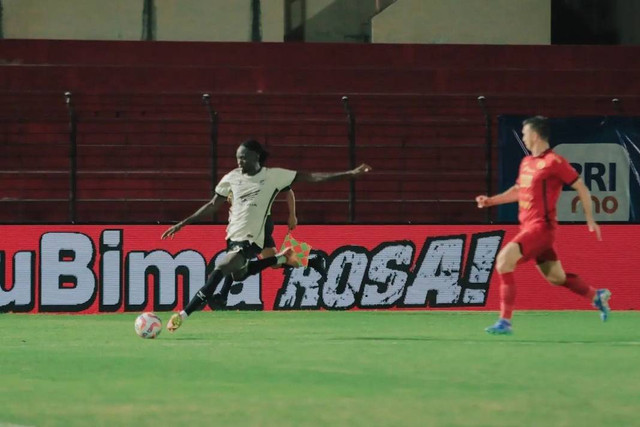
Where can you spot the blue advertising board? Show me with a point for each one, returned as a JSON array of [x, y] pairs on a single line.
[[604, 151]]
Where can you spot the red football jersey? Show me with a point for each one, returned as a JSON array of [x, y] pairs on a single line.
[[540, 182]]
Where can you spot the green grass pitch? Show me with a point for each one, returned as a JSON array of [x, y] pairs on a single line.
[[356, 368]]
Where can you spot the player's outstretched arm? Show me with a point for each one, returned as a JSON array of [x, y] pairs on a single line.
[[332, 176], [509, 196], [292, 222], [585, 199], [208, 208]]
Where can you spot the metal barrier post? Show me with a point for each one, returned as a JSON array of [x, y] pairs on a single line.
[[351, 120], [488, 153], [73, 160], [213, 137]]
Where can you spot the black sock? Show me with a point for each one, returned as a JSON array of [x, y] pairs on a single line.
[[219, 300], [258, 265], [200, 299]]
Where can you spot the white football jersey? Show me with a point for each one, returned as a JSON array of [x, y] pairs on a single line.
[[252, 197]]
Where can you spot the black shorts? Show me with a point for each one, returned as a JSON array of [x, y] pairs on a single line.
[[268, 233], [246, 248]]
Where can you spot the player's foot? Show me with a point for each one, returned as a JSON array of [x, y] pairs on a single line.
[[501, 327], [601, 302], [218, 302], [290, 257], [175, 322]]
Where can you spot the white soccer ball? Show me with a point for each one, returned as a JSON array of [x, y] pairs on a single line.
[[148, 325]]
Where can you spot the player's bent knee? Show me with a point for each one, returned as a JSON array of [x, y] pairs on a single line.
[[504, 264], [556, 280], [507, 258], [232, 265], [225, 268], [553, 272], [503, 267], [241, 274], [268, 252]]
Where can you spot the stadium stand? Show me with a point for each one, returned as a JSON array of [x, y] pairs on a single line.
[[144, 136]]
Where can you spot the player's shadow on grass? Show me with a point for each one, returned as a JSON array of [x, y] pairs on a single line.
[[190, 339], [489, 339]]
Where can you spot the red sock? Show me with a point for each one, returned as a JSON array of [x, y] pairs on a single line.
[[507, 295], [576, 285]]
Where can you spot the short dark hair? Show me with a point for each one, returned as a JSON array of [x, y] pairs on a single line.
[[540, 125], [253, 145]]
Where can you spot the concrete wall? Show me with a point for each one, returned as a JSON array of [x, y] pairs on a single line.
[[203, 20], [464, 22], [406, 21], [72, 19], [338, 20], [177, 20], [628, 21], [272, 20]]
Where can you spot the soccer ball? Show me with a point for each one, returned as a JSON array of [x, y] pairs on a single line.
[[148, 325]]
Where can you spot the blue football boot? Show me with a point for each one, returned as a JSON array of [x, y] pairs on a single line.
[[501, 327], [601, 302]]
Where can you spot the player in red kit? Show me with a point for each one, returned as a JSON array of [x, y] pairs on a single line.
[[540, 179]]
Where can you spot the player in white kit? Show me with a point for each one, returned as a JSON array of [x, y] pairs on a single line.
[[253, 188]]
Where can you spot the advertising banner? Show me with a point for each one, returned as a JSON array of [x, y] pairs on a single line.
[[115, 268], [604, 151]]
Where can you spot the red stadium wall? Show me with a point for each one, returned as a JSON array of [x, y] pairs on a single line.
[[124, 67], [115, 268], [143, 133]]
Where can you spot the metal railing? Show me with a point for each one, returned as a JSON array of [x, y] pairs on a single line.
[[387, 125]]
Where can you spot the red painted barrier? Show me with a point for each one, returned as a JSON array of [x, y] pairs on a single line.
[[115, 268], [416, 108], [314, 55]]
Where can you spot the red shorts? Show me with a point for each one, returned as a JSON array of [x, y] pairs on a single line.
[[536, 242]]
